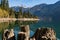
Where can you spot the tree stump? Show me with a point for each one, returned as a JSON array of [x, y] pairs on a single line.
[[21, 36], [8, 35], [26, 30], [45, 34]]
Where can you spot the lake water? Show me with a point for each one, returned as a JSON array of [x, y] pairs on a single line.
[[33, 26]]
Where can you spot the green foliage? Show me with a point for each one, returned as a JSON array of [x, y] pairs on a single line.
[[4, 9], [11, 13], [4, 13], [20, 14], [3, 25], [4, 4], [25, 14]]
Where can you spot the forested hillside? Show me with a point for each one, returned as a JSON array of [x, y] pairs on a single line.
[[10, 12]]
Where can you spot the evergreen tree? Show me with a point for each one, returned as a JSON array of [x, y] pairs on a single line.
[[7, 4], [4, 4], [11, 13], [20, 13]]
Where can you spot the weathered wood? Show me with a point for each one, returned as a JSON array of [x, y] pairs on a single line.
[[44, 34], [36, 35], [8, 35], [21, 36], [25, 28], [5, 34], [11, 35], [40, 34]]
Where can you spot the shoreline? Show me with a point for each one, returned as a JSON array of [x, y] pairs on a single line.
[[19, 19]]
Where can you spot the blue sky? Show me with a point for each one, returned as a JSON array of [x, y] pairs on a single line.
[[29, 3]]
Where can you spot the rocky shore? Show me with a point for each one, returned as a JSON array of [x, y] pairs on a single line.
[[24, 34]]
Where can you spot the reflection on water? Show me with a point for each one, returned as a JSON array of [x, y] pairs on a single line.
[[33, 26], [13, 25], [53, 24], [5, 25]]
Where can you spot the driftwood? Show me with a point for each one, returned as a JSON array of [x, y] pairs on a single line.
[[26, 30], [44, 34], [40, 34], [8, 35], [21, 36]]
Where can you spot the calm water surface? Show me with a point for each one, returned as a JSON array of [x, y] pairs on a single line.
[[33, 26]]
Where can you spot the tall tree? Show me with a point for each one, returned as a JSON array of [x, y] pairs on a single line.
[[20, 13], [4, 4]]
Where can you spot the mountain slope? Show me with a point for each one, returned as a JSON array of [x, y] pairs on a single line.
[[45, 10]]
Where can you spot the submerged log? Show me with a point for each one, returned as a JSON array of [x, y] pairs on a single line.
[[8, 35], [44, 34]]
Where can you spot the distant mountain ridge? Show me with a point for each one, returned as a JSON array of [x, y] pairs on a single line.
[[45, 10], [16, 8]]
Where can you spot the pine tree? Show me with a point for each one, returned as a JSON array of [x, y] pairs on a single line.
[[20, 13], [7, 4], [4, 4], [11, 13], [29, 13]]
